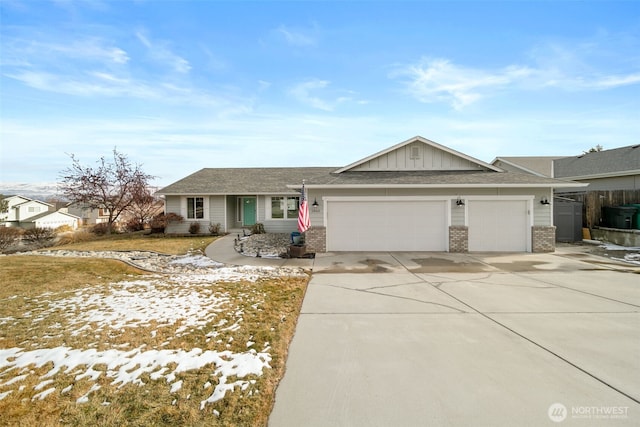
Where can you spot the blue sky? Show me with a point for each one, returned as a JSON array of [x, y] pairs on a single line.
[[178, 86]]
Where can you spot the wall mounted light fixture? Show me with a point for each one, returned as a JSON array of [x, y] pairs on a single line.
[[459, 202], [545, 201], [315, 206]]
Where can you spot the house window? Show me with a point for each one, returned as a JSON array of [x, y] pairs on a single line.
[[33, 209], [195, 207], [277, 207], [415, 152], [284, 207]]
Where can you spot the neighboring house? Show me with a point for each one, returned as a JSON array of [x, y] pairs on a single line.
[[51, 220], [535, 165], [613, 178], [616, 169], [414, 196], [87, 215], [22, 209]]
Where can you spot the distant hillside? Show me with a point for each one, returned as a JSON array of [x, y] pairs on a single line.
[[39, 191]]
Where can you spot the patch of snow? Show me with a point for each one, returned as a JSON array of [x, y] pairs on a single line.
[[42, 385], [42, 395], [630, 258], [85, 397], [196, 260], [128, 367], [175, 387], [613, 247]]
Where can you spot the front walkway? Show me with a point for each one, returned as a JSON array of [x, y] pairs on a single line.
[[222, 250]]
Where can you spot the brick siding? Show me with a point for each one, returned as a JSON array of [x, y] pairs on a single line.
[[543, 239], [458, 238], [316, 239]]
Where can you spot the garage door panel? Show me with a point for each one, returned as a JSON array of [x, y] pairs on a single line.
[[387, 225], [498, 225]]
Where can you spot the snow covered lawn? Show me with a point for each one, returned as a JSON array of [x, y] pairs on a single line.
[[203, 346]]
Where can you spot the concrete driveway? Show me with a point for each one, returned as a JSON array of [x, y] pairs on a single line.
[[415, 339]]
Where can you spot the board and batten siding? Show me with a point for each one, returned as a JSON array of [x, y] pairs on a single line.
[[457, 213], [416, 156]]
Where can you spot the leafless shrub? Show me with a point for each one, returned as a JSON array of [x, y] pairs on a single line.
[[8, 237]]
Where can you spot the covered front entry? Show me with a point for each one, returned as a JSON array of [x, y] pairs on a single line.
[[387, 224], [499, 225]]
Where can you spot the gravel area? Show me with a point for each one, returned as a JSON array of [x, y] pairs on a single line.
[[269, 245], [154, 262]]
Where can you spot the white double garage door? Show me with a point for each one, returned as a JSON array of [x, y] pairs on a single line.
[[413, 224]]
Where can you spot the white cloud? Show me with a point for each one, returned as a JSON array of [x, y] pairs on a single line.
[[161, 53], [297, 37], [436, 80], [617, 81], [440, 80], [302, 92], [33, 51], [306, 92]]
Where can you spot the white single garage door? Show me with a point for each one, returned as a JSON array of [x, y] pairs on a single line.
[[387, 225], [498, 225]]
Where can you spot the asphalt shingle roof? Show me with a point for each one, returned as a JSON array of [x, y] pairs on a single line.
[[243, 180], [617, 160], [275, 180], [453, 178]]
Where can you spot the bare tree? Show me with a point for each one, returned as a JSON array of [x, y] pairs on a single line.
[[144, 207], [113, 185]]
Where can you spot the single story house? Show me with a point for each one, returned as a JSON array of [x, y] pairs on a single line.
[[414, 196]]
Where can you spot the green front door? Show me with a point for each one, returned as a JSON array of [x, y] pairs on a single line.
[[248, 211]]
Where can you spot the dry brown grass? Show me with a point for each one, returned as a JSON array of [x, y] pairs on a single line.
[[84, 241], [33, 284]]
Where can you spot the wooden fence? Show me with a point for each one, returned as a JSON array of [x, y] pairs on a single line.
[[594, 201]]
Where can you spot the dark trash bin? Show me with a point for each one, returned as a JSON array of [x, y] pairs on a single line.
[[635, 220], [619, 216]]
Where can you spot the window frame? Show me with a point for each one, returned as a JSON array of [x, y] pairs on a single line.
[[287, 214], [195, 208]]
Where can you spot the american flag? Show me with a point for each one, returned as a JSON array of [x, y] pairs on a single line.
[[304, 222]]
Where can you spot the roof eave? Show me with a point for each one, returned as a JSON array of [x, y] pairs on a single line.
[[487, 185], [604, 175], [232, 193]]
